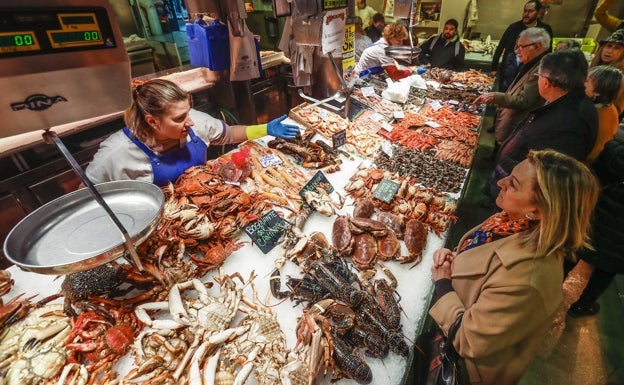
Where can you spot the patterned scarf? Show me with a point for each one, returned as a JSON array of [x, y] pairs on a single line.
[[498, 225]]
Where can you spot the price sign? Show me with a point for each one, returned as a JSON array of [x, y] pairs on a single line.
[[386, 147], [433, 124], [386, 190], [368, 91], [339, 138], [269, 160], [376, 117], [435, 105], [267, 231], [318, 179], [323, 114], [399, 114], [387, 126]]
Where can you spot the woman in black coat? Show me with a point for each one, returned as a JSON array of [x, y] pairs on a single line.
[[607, 229]]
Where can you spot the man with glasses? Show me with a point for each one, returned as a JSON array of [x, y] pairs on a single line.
[[510, 36], [522, 95], [568, 122]]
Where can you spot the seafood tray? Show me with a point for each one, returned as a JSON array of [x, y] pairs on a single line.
[[318, 119]]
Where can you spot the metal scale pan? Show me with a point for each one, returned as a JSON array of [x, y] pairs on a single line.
[[74, 233]]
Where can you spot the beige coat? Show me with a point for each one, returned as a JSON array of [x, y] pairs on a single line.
[[509, 297], [521, 97]]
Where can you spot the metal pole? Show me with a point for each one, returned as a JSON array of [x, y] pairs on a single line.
[[51, 137]]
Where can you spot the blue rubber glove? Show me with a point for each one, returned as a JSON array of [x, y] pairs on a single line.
[[280, 130]]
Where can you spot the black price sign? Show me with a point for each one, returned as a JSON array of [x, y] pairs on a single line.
[[267, 231], [339, 138], [318, 179], [386, 190]]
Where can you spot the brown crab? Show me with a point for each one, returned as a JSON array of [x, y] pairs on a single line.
[[415, 240]]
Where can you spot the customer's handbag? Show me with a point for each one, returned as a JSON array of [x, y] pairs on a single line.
[[435, 358]]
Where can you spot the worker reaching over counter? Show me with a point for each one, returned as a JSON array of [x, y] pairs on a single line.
[[164, 136], [375, 56]]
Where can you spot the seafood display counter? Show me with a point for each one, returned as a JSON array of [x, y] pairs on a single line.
[[338, 296]]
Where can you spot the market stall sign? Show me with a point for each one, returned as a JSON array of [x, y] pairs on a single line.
[[339, 138], [333, 4], [267, 231], [386, 190], [318, 179]]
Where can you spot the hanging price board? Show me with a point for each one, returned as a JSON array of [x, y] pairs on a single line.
[[267, 231]]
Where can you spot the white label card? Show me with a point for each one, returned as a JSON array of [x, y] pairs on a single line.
[[432, 124], [387, 148], [376, 117], [368, 91], [399, 115], [269, 160], [435, 105], [324, 114], [387, 126]]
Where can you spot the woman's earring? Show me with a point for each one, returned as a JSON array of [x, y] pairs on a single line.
[[529, 216]]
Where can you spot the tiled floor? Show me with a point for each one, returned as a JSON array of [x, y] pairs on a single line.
[[582, 351]]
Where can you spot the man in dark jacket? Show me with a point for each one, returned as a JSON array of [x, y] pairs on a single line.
[[607, 230], [444, 50], [510, 36], [567, 123]]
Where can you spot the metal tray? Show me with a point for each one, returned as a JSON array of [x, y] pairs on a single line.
[[403, 53], [73, 233]]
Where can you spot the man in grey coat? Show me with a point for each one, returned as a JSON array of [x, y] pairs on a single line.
[[523, 94]]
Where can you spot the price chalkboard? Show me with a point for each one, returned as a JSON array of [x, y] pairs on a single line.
[[267, 231], [339, 138], [386, 190], [318, 179]]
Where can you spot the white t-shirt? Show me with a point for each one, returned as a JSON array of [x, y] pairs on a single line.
[[374, 56], [118, 158], [365, 14]]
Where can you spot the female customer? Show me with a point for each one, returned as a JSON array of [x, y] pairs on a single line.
[[602, 86], [375, 55], [162, 140], [611, 53], [505, 278], [607, 230]]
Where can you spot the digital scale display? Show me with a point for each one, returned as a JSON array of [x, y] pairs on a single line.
[[41, 31]]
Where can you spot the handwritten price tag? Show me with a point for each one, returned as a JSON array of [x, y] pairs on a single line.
[[435, 105], [318, 178], [368, 91], [387, 126], [399, 114], [339, 138], [433, 124], [376, 117], [267, 231], [386, 190], [269, 160]]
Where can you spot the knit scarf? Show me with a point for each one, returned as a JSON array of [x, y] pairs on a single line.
[[497, 226]]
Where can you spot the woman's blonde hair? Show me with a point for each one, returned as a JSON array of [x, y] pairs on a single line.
[[153, 97], [394, 31], [566, 192]]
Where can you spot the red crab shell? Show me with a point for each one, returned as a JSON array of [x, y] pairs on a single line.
[[120, 338]]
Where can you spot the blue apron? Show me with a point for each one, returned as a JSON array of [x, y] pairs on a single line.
[[169, 166]]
